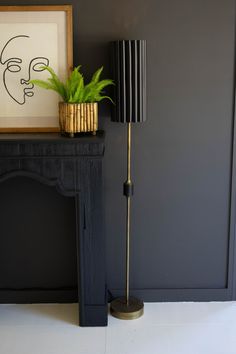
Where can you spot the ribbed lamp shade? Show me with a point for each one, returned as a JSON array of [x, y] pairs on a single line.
[[129, 73]]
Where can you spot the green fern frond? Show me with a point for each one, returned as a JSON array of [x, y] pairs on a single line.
[[78, 95], [56, 81], [43, 84], [99, 98], [102, 84], [74, 90], [96, 75], [58, 86], [74, 83]]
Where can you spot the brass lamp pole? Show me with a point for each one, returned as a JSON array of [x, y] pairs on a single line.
[[128, 187], [130, 98], [127, 307]]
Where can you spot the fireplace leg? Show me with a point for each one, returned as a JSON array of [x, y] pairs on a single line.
[[91, 255]]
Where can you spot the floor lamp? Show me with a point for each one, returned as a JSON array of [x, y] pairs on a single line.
[[129, 67]]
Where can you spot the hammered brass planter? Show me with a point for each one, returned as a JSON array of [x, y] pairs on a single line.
[[78, 117]]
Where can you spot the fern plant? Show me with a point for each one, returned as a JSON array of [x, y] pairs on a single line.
[[74, 89]]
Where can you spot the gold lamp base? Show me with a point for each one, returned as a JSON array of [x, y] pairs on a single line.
[[120, 309]]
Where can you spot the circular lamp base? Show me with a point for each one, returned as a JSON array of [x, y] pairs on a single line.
[[120, 309]]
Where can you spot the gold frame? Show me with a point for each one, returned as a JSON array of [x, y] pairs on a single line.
[[69, 38]]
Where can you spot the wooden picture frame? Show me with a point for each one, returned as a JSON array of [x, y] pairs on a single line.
[[30, 37]]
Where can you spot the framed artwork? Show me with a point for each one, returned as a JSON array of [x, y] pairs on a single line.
[[31, 37]]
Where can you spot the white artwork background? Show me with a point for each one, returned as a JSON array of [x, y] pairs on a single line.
[[42, 42]]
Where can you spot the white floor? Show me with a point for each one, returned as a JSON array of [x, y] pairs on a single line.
[[165, 328]]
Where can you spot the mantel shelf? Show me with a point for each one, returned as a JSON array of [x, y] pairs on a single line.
[[82, 138]]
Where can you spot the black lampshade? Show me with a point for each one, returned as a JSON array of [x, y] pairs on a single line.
[[129, 74]]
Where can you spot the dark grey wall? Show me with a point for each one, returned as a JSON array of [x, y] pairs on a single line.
[[181, 156]]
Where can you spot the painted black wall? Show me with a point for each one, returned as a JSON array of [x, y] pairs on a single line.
[[181, 156]]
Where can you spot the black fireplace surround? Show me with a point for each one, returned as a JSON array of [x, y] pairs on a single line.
[[74, 167]]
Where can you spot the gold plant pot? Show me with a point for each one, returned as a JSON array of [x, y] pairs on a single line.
[[78, 117]]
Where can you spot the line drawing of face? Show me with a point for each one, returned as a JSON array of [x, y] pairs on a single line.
[[17, 73]]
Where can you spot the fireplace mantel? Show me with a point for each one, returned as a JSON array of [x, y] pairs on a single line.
[[74, 166]]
